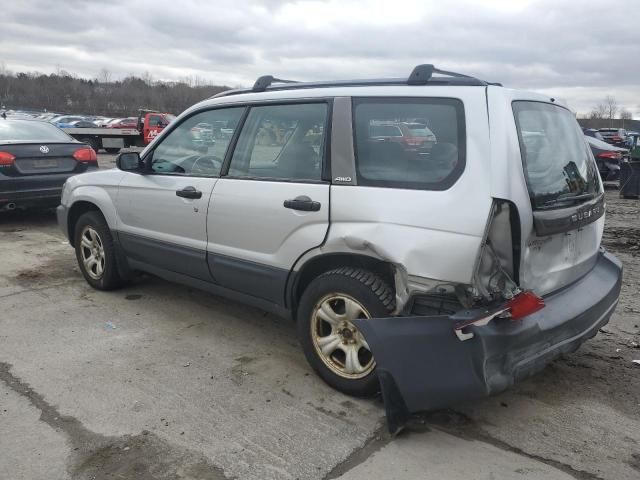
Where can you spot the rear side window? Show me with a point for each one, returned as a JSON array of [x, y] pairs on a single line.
[[416, 143], [558, 165]]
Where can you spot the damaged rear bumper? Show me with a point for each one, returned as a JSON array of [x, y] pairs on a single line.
[[423, 365]]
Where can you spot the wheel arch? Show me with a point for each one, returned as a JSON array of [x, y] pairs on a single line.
[[300, 279], [75, 212]]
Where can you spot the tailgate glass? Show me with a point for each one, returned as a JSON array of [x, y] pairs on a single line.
[[558, 165]]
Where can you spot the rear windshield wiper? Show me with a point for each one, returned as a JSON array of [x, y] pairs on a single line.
[[568, 197]]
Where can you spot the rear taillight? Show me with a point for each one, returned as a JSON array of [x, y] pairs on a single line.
[[610, 155], [413, 140], [523, 304], [86, 155], [6, 159]]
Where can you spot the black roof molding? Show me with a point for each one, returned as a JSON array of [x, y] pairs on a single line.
[[420, 76]]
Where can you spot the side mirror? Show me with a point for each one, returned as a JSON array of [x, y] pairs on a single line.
[[129, 162]]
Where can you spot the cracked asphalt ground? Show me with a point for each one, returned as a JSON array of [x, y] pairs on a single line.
[[159, 381]]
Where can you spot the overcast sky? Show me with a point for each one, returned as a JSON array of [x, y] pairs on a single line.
[[579, 50]]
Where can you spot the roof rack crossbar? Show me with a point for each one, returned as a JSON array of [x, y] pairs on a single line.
[[266, 81], [420, 75]]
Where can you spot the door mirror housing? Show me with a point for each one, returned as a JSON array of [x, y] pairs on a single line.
[[130, 162]]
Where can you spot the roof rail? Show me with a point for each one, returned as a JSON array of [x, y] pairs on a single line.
[[420, 75]]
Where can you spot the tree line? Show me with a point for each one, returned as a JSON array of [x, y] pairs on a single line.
[[64, 92], [609, 110]]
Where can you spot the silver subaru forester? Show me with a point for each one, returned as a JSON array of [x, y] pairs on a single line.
[[435, 237]]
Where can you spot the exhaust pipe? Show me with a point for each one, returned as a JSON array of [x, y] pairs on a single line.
[[10, 206]]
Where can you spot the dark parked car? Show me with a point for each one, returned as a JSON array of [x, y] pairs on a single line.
[[607, 157], [592, 132], [415, 138], [614, 136], [36, 158]]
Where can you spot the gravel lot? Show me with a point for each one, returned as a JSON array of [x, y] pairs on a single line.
[[162, 381]]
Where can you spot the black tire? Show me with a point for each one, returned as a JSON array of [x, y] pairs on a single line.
[[110, 278], [371, 292], [112, 150], [92, 142]]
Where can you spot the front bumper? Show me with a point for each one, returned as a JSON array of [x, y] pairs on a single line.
[[422, 364]]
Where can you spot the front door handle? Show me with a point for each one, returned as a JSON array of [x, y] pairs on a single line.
[[189, 192], [303, 203]]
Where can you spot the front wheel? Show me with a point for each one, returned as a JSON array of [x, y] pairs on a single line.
[[112, 150], [95, 252], [332, 344]]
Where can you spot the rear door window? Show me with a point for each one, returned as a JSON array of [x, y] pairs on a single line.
[[558, 165], [281, 142], [414, 143]]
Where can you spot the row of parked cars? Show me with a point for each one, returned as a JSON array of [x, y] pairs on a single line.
[[611, 147], [76, 121]]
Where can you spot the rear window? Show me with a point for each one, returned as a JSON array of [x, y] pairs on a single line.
[[23, 130], [425, 158], [558, 165]]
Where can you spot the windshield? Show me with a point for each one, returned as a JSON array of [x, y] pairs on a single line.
[[22, 130], [558, 165]]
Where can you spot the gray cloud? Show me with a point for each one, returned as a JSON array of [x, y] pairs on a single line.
[[581, 51]]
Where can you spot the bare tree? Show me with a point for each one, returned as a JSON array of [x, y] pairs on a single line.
[[104, 76], [599, 111], [625, 114], [611, 107]]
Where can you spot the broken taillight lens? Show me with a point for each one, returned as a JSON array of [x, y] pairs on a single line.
[[523, 304]]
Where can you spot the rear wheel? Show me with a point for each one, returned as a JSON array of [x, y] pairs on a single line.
[[95, 252], [332, 344]]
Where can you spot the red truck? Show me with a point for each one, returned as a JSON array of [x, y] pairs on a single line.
[[149, 124]]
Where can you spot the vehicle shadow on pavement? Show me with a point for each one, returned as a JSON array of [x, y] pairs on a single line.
[[27, 218]]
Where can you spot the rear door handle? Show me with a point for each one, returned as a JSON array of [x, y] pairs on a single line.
[[303, 203], [189, 192]]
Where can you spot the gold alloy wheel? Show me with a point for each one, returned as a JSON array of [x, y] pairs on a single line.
[[92, 252], [337, 341]]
